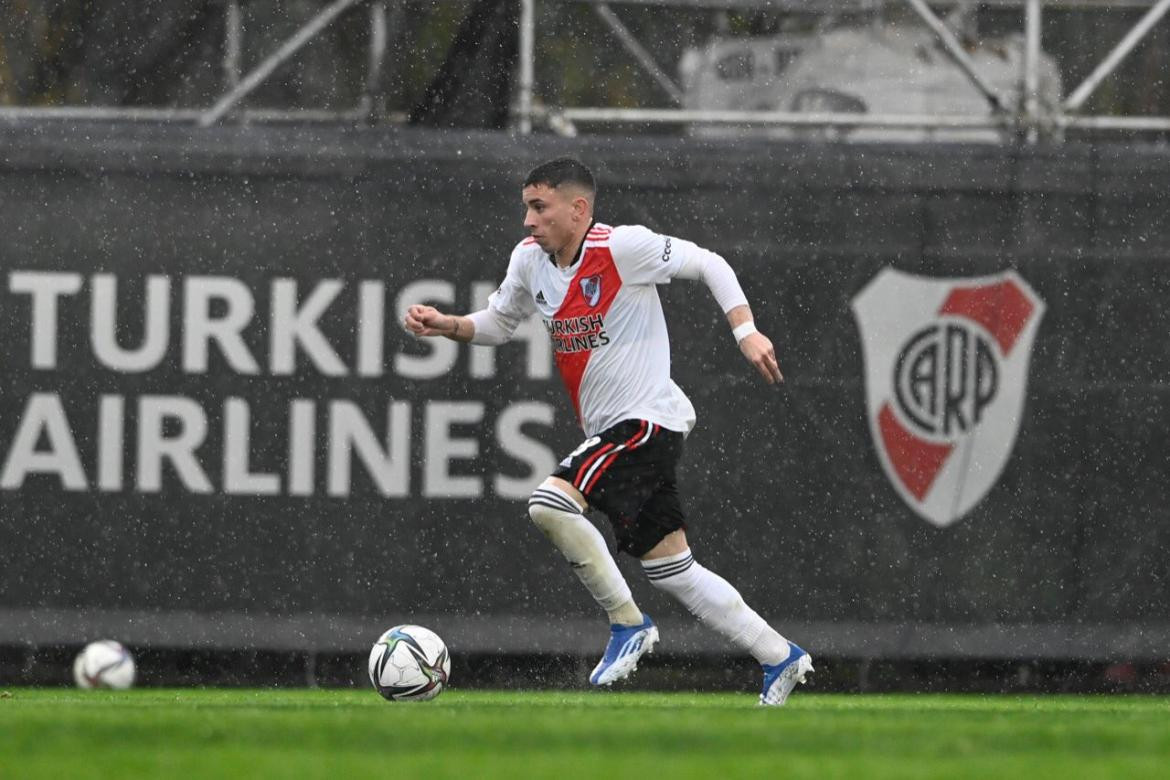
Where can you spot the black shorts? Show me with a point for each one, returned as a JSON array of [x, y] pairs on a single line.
[[628, 472]]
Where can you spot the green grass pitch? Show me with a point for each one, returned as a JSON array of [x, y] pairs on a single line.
[[54, 733]]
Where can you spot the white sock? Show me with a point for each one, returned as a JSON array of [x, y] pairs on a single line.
[[559, 517], [717, 605]]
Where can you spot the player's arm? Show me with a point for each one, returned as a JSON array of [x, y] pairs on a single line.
[[646, 257], [428, 321], [507, 308], [755, 346], [486, 327], [694, 262]]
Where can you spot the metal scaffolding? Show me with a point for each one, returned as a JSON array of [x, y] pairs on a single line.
[[1031, 120], [240, 86]]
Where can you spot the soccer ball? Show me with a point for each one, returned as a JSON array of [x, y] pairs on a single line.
[[104, 664], [409, 663]]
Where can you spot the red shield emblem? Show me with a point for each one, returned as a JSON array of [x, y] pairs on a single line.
[[946, 367]]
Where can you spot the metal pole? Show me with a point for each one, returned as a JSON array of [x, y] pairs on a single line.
[[1133, 124], [394, 67], [640, 54], [1032, 69], [856, 6], [233, 47], [98, 113], [1081, 93], [781, 118], [311, 669], [955, 49], [183, 115], [290, 47], [378, 39], [527, 62]]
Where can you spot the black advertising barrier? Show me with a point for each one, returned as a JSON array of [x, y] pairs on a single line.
[[214, 433]]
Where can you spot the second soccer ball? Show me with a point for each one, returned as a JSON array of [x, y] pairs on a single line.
[[104, 664]]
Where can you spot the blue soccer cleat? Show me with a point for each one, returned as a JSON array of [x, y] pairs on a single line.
[[779, 680], [627, 644]]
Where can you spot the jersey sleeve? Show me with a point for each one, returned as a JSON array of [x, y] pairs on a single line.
[[645, 257], [512, 303]]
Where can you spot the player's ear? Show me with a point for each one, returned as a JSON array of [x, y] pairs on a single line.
[[581, 207]]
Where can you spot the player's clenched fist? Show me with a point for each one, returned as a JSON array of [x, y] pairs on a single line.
[[757, 348], [427, 321]]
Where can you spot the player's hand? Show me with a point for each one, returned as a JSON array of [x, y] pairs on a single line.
[[757, 348], [428, 321]]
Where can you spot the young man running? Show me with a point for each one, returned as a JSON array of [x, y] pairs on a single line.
[[595, 289]]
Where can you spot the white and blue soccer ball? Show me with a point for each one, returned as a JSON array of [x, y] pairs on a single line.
[[409, 663], [104, 664]]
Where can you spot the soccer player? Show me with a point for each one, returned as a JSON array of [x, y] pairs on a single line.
[[595, 288]]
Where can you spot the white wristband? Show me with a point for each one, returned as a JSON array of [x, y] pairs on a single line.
[[743, 331]]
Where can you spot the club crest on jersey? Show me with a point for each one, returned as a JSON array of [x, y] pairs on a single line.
[[946, 367], [591, 289]]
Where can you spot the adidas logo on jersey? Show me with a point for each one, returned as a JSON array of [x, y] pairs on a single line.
[[540, 297]]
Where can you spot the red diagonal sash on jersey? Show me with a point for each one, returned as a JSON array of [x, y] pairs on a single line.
[[597, 262]]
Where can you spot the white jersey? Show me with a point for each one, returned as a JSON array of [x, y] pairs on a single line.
[[606, 322]]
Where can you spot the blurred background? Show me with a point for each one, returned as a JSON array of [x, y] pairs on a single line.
[[396, 59]]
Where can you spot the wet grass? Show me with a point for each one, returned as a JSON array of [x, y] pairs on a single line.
[[474, 734]]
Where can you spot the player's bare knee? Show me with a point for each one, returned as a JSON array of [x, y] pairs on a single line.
[[568, 489], [673, 543]]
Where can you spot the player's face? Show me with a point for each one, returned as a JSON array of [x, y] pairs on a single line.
[[553, 216]]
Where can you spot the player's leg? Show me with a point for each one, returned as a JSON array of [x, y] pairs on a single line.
[[598, 472], [671, 567], [556, 507]]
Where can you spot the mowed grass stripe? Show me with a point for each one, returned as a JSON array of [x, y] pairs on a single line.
[[320, 733]]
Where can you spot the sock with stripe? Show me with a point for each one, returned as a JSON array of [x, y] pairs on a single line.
[[717, 605], [559, 517]]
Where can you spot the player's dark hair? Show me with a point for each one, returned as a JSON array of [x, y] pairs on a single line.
[[563, 170]]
